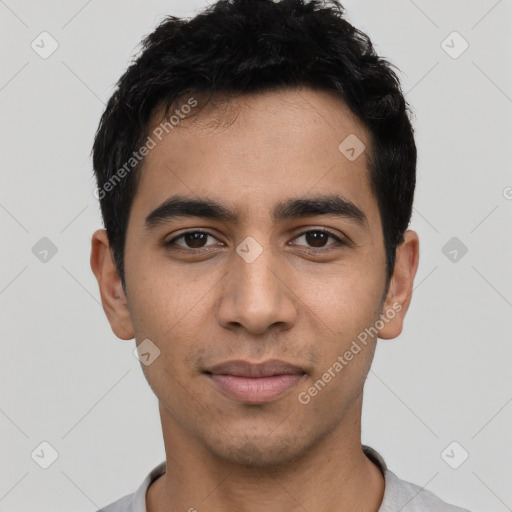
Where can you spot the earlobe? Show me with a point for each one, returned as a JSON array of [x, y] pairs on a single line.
[[113, 298], [401, 286]]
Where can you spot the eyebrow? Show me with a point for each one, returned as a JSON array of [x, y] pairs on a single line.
[[182, 206]]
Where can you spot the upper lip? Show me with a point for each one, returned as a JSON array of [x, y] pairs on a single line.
[[267, 368]]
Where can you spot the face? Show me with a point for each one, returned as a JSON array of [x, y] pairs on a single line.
[[276, 279]]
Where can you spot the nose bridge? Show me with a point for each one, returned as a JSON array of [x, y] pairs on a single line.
[[254, 295], [254, 275]]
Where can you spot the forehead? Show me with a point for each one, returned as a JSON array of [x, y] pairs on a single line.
[[254, 151]]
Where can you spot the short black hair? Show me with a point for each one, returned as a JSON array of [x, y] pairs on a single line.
[[249, 46]]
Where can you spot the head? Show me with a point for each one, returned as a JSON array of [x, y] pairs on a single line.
[[266, 123]]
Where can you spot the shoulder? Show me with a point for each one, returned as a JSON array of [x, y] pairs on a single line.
[[136, 501], [123, 504], [403, 496], [409, 497]]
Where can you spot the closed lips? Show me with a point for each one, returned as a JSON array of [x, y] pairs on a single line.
[[239, 368]]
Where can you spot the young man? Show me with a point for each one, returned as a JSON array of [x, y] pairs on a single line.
[[256, 173]]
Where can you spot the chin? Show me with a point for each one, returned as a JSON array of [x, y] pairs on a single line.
[[264, 452]]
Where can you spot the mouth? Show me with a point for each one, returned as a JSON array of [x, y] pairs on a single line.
[[255, 383]]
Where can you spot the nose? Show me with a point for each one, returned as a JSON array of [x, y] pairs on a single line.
[[257, 295]]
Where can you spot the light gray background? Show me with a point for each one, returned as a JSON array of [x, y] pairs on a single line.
[[67, 380]]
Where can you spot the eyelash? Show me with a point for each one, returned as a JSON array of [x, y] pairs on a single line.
[[312, 250]]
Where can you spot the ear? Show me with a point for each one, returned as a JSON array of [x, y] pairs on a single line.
[[400, 287], [112, 294]]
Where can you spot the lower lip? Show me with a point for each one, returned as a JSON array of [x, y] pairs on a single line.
[[255, 390]]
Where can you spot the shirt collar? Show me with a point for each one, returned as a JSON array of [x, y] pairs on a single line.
[[138, 503]]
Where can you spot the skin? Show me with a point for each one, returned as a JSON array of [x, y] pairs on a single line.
[[289, 304]]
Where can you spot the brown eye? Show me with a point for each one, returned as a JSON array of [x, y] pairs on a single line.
[[195, 240], [192, 240], [317, 238]]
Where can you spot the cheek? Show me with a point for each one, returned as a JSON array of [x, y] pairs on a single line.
[[162, 293], [345, 302], [171, 308], [346, 344]]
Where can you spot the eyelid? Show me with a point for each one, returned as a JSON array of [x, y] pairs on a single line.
[[327, 231], [339, 240], [184, 233]]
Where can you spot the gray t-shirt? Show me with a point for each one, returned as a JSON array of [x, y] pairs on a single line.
[[399, 495]]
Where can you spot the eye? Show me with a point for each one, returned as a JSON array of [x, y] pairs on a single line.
[[193, 240], [318, 238]]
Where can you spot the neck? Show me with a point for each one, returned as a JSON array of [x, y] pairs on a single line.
[[334, 475]]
